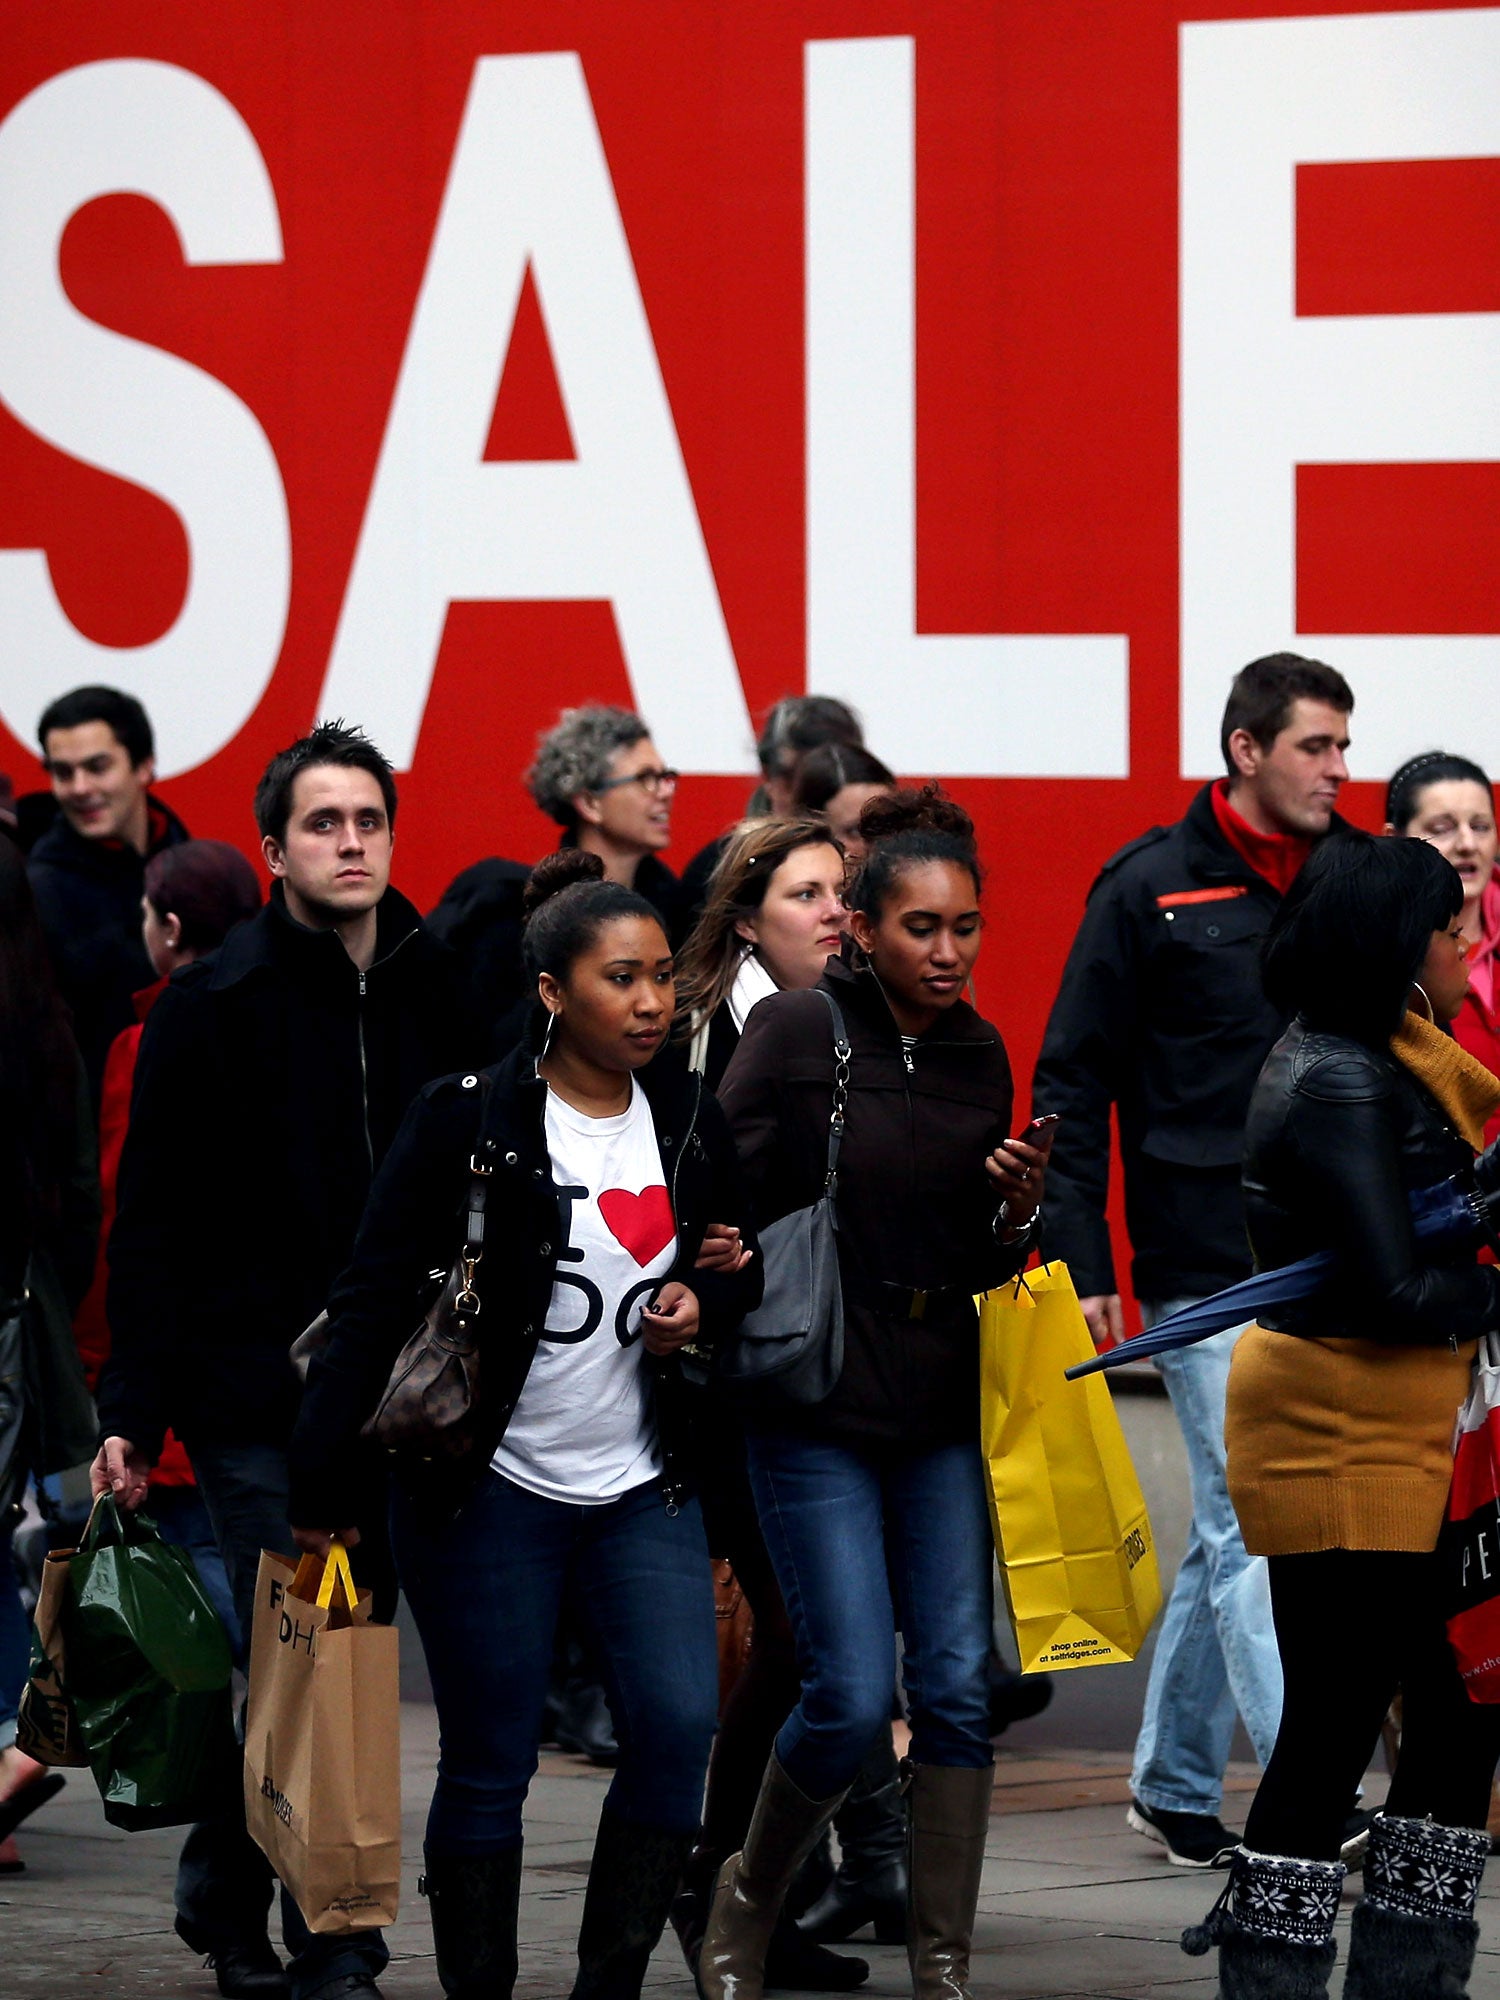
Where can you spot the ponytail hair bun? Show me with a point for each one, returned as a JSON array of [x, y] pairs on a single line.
[[908, 829], [912, 811], [566, 904], [558, 871]]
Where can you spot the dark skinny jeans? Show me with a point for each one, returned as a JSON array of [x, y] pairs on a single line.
[[486, 1593], [1353, 1627]]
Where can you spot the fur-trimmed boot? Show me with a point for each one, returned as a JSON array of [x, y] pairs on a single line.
[[1414, 1933], [473, 1902], [752, 1886], [1273, 1926], [633, 1877]]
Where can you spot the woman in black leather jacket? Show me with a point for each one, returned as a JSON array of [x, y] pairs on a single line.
[[1340, 1430], [606, 1166]]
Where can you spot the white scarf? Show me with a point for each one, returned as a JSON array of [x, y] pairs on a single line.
[[752, 983]]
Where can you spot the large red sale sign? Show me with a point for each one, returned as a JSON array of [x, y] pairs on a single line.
[[1014, 368]]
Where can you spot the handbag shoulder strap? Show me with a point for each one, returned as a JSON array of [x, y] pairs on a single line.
[[480, 1171], [841, 1054]]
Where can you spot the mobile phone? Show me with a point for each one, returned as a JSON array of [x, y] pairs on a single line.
[[1040, 1126]]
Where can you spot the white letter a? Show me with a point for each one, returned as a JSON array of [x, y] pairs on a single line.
[[529, 183]]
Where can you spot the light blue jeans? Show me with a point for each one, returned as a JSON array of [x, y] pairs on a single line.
[[1216, 1649]]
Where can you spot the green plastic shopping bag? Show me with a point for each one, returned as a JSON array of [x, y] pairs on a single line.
[[148, 1673]]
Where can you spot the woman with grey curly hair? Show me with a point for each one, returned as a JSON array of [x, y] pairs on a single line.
[[599, 775]]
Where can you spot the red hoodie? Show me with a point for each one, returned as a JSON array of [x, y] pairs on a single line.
[[90, 1323]]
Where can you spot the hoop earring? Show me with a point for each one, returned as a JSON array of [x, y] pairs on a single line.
[[1426, 1012], [547, 1037]]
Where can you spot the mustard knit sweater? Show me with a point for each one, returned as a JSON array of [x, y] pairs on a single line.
[[1348, 1444]]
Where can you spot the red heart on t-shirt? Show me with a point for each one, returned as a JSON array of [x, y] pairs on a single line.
[[640, 1223]]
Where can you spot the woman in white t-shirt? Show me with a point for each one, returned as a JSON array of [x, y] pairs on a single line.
[[608, 1168]]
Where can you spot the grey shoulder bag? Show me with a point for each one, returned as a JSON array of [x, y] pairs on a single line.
[[790, 1350]]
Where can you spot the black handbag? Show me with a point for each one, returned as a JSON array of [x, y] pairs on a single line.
[[790, 1350], [430, 1405]]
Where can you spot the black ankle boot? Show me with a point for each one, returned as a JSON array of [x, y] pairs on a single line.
[[793, 1963], [633, 1878], [797, 1965], [870, 1885], [1414, 1934], [473, 1900], [1273, 1925]]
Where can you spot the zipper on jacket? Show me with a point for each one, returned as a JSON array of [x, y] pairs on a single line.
[[364, 1073], [359, 1028], [672, 1490], [686, 1140]]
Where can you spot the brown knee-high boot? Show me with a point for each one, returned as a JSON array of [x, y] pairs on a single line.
[[752, 1886], [948, 1817]]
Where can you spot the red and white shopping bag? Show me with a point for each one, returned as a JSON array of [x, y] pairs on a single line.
[[1470, 1539]]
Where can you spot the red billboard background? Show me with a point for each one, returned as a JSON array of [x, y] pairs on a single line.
[[1047, 302]]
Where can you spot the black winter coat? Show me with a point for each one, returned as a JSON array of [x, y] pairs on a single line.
[[1339, 1136], [88, 895], [414, 1226], [1160, 1014], [916, 1209], [271, 1079]]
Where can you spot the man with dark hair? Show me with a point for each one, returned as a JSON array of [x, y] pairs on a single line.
[[272, 1076], [1161, 1017], [87, 869]]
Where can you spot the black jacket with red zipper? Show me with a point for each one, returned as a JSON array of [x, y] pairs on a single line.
[[1162, 1015], [916, 1209]]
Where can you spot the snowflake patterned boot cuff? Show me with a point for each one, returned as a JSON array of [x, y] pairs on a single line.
[[1419, 1869], [1275, 1898]]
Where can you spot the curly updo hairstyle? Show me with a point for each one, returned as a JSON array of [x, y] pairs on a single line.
[[566, 904], [904, 830], [575, 755]]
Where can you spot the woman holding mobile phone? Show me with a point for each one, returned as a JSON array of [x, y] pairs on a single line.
[[885, 1479], [606, 1171]]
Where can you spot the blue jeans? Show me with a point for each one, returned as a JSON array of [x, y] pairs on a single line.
[[1216, 1649], [15, 1640], [224, 1881], [180, 1514], [845, 1525], [486, 1592]]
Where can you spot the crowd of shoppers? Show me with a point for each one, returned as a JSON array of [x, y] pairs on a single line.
[[295, 1097]]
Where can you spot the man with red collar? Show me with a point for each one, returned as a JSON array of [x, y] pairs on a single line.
[[1162, 1018], [88, 870]]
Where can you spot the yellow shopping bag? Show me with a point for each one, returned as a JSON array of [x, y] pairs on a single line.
[[1071, 1530]]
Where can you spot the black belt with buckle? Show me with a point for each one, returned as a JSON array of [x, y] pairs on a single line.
[[912, 1301]]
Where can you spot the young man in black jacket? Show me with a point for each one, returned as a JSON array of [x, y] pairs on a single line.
[[272, 1077], [88, 869], [1161, 1015]]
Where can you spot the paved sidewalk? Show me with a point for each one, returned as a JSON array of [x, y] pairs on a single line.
[[1073, 1904]]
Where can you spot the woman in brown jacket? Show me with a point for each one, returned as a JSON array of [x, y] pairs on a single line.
[[1340, 1435], [934, 1204]]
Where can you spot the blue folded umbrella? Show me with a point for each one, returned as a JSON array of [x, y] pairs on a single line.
[[1453, 1213]]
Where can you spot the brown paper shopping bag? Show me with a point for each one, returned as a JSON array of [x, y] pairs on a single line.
[[1074, 1540], [323, 1743], [46, 1727]]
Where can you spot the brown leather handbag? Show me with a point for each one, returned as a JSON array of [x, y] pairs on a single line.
[[430, 1406]]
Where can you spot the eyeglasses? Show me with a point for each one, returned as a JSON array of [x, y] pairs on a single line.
[[652, 781]]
